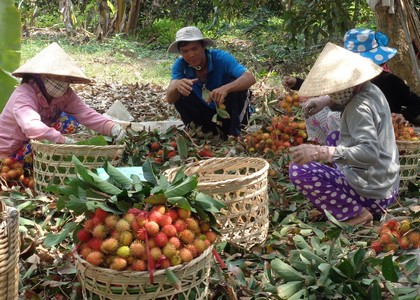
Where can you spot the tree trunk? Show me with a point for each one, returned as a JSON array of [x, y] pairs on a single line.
[[133, 16], [401, 65], [120, 20]]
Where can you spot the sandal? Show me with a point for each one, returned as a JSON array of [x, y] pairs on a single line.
[[365, 218]]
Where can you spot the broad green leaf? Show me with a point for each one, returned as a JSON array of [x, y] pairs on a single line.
[[26, 222], [98, 140], [300, 242], [181, 202], [287, 290], [375, 292], [222, 113], [117, 176], [182, 146], [325, 274], [93, 179], [53, 239], [10, 45], [284, 271], [148, 172], [76, 204], [388, 269], [184, 187], [311, 256], [173, 279], [209, 203], [346, 267]]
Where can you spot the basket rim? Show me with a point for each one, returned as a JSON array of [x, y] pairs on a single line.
[[37, 143], [141, 273], [196, 166]]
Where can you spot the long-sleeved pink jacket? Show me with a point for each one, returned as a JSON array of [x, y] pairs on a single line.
[[27, 115]]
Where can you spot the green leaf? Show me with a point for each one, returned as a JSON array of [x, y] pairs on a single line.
[[375, 292], [148, 172], [222, 113], [185, 187], [117, 176], [346, 268], [182, 146], [181, 202], [76, 204], [93, 179], [98, 140], [287, 290], [53, 239], [173, 279], [10, 45], [388, 269], [285, 271], [300, 242], [208, 203]]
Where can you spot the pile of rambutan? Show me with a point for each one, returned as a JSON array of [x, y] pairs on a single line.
[[394, 235], [142, 240]]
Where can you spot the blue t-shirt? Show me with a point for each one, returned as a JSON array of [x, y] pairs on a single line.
[[222, 68]]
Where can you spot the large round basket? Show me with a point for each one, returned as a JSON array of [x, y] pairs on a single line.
[[103, 283], [409, 162], [53, 162], [9, 252], [241, 183]]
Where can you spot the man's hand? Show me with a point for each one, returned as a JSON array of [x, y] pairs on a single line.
[[185, 86], [219, 94], [314, 105], [305, 153]]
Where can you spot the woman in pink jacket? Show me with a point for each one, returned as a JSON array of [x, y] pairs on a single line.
[[39, 106]]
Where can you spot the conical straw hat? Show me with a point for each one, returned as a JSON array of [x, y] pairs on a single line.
[[53, 60], [337, 69]]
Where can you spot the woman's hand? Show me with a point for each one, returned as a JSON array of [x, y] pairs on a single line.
[[314, 105], [288, 82], [305, 153]]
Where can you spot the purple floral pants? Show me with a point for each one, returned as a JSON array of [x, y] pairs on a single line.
[[327, 189]]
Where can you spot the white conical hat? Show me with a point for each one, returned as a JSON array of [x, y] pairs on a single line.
[[53, 60], [337, 69]]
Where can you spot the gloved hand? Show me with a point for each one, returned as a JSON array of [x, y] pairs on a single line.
[[118, 133], [68, 140], [288, 82], [314, 105], [305, 153]]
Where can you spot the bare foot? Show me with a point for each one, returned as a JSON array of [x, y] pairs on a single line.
[[365, 218]]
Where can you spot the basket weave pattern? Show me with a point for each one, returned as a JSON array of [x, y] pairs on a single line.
[[52, 162], [103, 283], [241, 183], [9, 252], [409, 162]]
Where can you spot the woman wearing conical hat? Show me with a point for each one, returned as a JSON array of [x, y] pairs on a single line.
[[41, 98], [365, 179]]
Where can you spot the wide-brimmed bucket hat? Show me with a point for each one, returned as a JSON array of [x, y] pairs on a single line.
[[337, 69], [54, 61], [188, 34], [370, 44]]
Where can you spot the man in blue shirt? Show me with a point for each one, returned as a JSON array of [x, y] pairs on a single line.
[[203, 79]]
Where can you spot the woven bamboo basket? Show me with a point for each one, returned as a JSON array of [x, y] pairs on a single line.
[[9, 252], [52, 162], [409, 162], [241, 183], [102, 283]]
